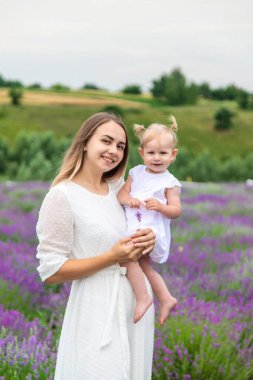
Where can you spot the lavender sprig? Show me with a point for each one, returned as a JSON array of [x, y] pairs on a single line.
[[138, 215]]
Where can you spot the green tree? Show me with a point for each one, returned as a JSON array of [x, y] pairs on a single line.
[[174, 89], [36, 156], [132, 89], [204, 168], [243, 100], [2, 81], [39, 168], [248, 165], [90, 86], [250, 101], [181, 166], [218, 94], [233, 169], [114, 108], [205, 90], [4, 155], [15, 93], [28, 144], [35, 86], [231, 92], [59, 87], [14, 83], [10, 83], [223, 119]]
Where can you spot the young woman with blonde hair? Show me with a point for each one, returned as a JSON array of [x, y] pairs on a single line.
[[82, 238]]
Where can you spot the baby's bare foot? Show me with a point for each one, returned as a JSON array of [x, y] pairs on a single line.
[[141, 307], [165, 309]]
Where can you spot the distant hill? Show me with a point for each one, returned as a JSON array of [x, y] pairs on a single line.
[[63, 113]]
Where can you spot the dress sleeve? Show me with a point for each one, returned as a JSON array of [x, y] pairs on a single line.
[[55, 233], [132, 171], [117, 185], [173, 181]]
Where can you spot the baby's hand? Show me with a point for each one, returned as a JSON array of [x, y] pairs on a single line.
[[134, 203], [152, 204]]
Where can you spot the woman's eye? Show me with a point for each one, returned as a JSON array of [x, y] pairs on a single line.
[[106, 141], [121, 147]]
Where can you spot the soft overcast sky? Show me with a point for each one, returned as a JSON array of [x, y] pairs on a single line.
[[116, 42]]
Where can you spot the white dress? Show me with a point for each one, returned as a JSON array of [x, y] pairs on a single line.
[[98, 340], [151, 185]]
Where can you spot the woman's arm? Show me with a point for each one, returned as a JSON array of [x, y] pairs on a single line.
[[74, 269], [55, 234], [125, 250]]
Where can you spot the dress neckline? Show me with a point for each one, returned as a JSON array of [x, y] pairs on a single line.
[[162, 173], [89, 191]]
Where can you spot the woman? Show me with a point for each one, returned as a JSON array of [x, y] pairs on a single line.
[[81, 231]]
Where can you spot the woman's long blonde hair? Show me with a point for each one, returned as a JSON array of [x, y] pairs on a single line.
[[75, 155]]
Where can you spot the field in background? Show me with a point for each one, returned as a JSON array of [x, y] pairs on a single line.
[[63, 113], [210, 271]]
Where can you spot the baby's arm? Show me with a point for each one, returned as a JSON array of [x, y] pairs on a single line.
[[124, 195], [172, 209]]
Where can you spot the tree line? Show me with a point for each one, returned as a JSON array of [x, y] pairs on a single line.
[[37, 156], [170, 88]]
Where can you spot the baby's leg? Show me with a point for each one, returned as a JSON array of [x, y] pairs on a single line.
[[167, 302], [136, 278]]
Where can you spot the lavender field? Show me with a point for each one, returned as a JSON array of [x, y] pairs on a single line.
[[210, 271]]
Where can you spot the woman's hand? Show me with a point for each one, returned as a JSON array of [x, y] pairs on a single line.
[[144, 239], [125, 250], [130, 248]]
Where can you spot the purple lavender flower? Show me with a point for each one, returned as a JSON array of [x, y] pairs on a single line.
[[138, 215], [210, 271]]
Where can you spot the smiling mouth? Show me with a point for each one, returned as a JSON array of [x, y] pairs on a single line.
[[108, 159]]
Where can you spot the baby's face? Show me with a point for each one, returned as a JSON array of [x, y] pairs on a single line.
[[158, 153]]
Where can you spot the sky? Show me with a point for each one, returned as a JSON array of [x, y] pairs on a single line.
[[113, 43]]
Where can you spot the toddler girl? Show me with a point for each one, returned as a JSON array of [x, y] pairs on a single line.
[[151, 199]]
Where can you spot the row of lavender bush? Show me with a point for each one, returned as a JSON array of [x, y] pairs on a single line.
[[210, 271]]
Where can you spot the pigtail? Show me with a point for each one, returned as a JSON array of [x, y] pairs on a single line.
[[139, 131], [173, 124], [146, 134]]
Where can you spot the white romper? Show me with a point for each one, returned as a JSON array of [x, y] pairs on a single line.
[[98, 340], [151, 185]]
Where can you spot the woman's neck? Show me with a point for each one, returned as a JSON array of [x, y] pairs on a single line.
[[90, 180]]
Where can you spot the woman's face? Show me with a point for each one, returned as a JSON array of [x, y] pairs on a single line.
[[105, 149]]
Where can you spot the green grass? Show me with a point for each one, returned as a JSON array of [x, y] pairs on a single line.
[[196, 131], [12, 299], [194, 350], [198, 232]]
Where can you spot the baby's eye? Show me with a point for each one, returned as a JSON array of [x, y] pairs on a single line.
[[163, 152], [151, 152]]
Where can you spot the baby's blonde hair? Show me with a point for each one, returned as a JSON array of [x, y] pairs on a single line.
[[147, 134]]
